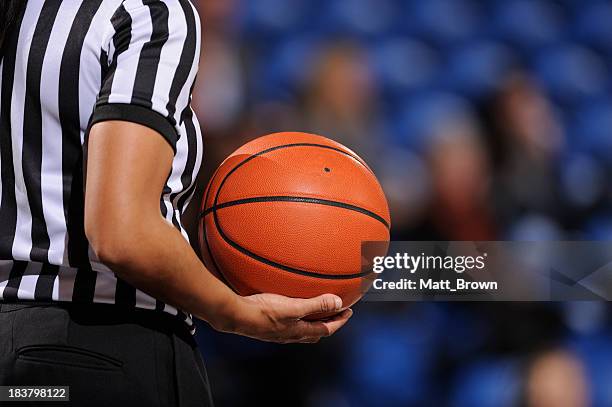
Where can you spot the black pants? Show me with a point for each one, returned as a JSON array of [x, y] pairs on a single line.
[[109, 356]]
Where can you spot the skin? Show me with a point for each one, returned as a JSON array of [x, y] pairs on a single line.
[[127, 167]]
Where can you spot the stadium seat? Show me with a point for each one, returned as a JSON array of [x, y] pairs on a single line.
[[583, 180], [599, 227], [596, 354], [593, 25], [421, 115], [405, 64], [534, 227], [591, 130], [571, 73], [488, 383], [528, 23], [359, 17], [274, 17], [390, 355], [478, 68], [282, 70], [446, 21]]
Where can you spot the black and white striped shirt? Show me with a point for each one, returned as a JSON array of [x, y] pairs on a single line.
[[69, 64]]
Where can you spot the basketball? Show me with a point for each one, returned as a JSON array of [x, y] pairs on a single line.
[[287, 214]]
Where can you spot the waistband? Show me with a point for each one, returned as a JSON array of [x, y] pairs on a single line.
[[109, 314]]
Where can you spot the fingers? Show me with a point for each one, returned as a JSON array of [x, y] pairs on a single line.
[[312, 332], [310, 340], [338, 321], [321, 304], [281, 319], [306, 329]]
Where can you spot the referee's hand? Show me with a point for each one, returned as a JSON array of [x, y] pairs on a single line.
[[275, 318]]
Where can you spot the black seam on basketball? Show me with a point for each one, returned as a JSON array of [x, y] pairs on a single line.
[[263, 259], [300, 199], [355, 157]]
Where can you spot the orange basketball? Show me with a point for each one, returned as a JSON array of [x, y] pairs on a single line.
[[287, 213]]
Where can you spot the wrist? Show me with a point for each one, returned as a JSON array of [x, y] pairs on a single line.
[[227, 316]]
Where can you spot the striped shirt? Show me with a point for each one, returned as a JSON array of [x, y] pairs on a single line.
[[67, 65]]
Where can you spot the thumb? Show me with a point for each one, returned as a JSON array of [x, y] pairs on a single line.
[[321, 304]]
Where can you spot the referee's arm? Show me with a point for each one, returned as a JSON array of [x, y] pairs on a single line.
[[127, 167], [130, 150]]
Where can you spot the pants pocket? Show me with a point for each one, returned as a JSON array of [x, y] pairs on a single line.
[[93, 379], [64, 355]]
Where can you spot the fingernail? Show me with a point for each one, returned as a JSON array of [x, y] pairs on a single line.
[[338, 303]]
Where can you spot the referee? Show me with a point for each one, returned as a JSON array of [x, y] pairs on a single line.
[[99, 152]]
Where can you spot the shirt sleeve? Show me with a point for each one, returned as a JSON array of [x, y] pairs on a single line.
[[150, 65]]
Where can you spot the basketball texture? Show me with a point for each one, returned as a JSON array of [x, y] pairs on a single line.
[[287, 213]]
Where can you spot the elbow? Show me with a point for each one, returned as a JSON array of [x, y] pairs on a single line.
[[110, 254], [110, 241]]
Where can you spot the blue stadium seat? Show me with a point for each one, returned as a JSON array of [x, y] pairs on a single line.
[[572, 73], [591, 130], [285, 67], [446, 21], [274, 17], [358, 17], [390, 357], [528, 23], [489, 383], [534, 227], [478, 68], [424, 112], [405, 64], [593, 24], [599, 228], [596, 353], [583, 180]]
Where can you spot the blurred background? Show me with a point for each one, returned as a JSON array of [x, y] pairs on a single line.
[[484, 120]]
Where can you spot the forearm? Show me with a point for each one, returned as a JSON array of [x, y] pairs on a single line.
[[153, 256]]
